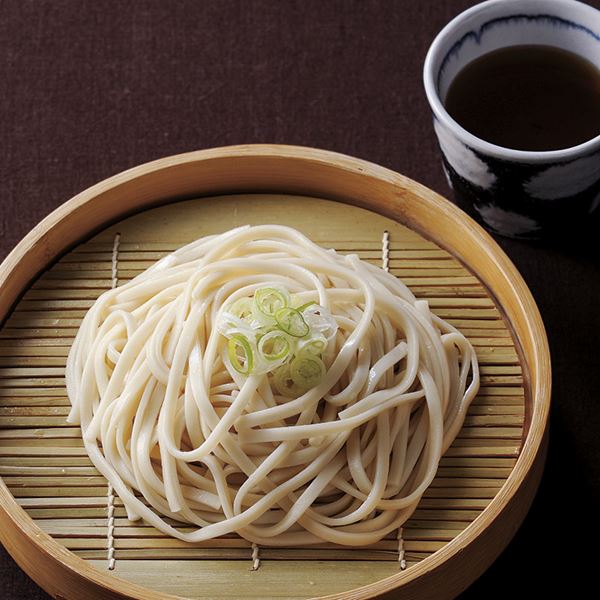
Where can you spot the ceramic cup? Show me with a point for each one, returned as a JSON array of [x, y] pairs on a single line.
[[513, 192]]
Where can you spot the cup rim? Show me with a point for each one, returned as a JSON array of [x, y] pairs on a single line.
[[472, 140]]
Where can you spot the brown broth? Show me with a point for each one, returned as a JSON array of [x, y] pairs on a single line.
[[528, 98]]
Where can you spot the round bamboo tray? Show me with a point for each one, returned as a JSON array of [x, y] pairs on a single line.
[[54, 507]]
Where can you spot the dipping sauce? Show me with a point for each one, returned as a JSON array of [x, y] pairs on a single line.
[[528, 97]]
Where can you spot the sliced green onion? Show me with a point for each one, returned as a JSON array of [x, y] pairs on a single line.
[[284, 383], [305, 306], [241, 308], [320, 321], [292, 322], [270, 300], [313, 346], [230, 324], [236, 343], [307, 371], [274, 345], [266, 334]]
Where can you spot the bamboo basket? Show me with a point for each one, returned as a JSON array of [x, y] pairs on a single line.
[[54, 508]]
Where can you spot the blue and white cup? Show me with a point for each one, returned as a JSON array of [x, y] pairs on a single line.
[[514, 192]]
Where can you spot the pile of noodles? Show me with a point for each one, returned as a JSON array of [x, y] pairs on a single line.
[[181, 434]]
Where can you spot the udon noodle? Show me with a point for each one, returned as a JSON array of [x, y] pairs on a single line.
[[182, 435]]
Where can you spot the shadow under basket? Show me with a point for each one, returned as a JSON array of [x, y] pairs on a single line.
[[54, 505]]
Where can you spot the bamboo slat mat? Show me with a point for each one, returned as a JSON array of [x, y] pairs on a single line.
[[44, 464]]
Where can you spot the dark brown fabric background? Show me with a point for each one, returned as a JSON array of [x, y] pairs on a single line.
[[88, 89]]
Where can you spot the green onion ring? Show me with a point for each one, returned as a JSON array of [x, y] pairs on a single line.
[[269, 300], [239, 341], [292, 322], [277, 339], [307, 371]]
